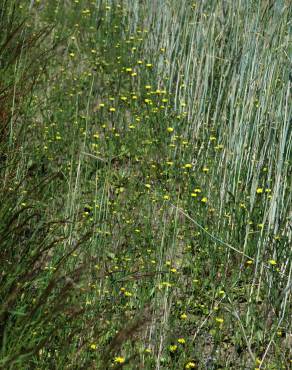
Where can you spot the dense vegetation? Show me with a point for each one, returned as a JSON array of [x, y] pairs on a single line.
[[145, 184]]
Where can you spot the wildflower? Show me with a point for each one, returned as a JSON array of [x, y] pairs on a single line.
[[204, 200], [183, 316], [148, 186], [173, 348], [205, 169], [259, 190], [219, 320], [190, 365], [112, 109], [93, 346], [119, 360], [148, 65], [129, 70], [174, 270], [188, 165], [166, 197], [170, 129], [272, 262], [181, 341]]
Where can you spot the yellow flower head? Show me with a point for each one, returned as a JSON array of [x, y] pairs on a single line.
[[119, 360]]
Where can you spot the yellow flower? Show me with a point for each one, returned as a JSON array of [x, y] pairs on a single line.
[[112, 109], [173, 348], [188, 165], [93, 346], [119, 360], [181, 340], [219, 320], [166, 197], [259, 190], [272, 262], [205, 169], [204, 200], [183, 316], [170, 129], [190, 365]]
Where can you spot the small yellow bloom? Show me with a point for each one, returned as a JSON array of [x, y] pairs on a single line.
[[119, 360], [93, 346], [166, 197], [272, 262], [170, 129], [183, 316], [148, 186], [219, 320], [181, 341], [173, 348], [112, 109], [190, 365], [188, 165], [259, 190], [204, 200]]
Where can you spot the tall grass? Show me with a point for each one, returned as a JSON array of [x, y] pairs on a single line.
[[146, 184]]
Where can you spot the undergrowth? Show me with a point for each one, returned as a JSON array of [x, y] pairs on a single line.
[[145, 202]]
